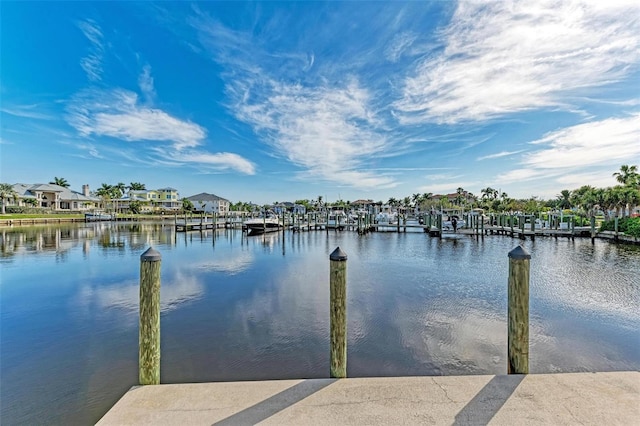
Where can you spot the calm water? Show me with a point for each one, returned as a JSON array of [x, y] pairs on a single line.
[[238, 308]]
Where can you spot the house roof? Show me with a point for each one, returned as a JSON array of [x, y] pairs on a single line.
[[203, 197], [166, 189], [28, 191]]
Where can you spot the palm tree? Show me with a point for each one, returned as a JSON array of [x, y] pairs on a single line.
[[6, 192], [564, 199], [137, 186], [60, 182], [119, 189], [105, 192], [489, 192], [628, 175]]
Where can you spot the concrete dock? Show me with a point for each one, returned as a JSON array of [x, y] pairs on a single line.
[[556, 399]]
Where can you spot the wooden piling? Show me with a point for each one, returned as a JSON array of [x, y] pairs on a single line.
[[518, 326], [338, 313], [593, 229], [149, 332]]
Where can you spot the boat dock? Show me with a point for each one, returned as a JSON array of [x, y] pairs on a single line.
[[561, 399]]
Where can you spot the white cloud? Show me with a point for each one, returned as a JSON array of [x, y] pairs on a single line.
[[585, 154], [400, 43], [92, 63], [610, 141], [325, 126], [145, 81], [498, 155], [26, 111], [329, 131], [117, 114], [502, 57], [220, 160]]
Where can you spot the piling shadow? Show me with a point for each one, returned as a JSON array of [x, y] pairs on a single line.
[[481, 409], [278, 402]]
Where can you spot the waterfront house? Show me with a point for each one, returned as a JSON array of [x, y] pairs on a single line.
[[152, 200], [288, 206], [54, 197], [209, 203]]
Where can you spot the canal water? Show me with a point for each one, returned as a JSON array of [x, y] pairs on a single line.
[[251, 308]]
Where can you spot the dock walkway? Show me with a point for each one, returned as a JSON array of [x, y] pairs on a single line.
[[560, 399]]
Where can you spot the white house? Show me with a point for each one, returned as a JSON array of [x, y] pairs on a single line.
[[209, 203], [54, 197]]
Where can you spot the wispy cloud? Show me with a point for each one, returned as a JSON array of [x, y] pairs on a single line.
[[145, 81], [503, 57], [329, 129], [499, 155], [400, 43], [26, 111], [610, 141], [580, 150], [118, 114], [92, 63], [218, 161]]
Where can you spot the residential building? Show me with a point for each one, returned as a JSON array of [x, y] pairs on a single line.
[[209, 203], [54, 197], [151, 200]]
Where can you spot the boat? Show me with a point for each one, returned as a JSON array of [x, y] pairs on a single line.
[[448, 218], [337, 219], [261, 225], [386, 218], [98, 216]]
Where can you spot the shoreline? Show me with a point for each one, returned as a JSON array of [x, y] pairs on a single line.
[[17, 222]]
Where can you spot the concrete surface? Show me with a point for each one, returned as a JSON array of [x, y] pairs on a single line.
[[555, 399]]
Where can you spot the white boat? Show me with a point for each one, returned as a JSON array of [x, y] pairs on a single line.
[[97, 216], [386, 218], [262, 225], [337, 219], [448, 224]]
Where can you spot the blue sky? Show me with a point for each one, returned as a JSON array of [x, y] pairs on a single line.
[[277, 101]]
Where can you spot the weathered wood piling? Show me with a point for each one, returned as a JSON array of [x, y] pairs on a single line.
[[518, 324], [149, 333], [338, 313]]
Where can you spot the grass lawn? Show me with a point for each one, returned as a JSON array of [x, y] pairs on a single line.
[[39, 216]]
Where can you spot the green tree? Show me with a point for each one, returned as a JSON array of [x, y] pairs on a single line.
[[118, 190], [187, 205], [564, 199], [31, 202], [135, 207], [137, 186], [60, 182], [105, 192], [6, 193], [628, 175]]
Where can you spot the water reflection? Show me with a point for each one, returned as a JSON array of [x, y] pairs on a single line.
[[178, 289], [242, 308], [112, 237]]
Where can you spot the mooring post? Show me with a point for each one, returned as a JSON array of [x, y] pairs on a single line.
[[149, 332], [518, 328], [338, 313], [593, 229]]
